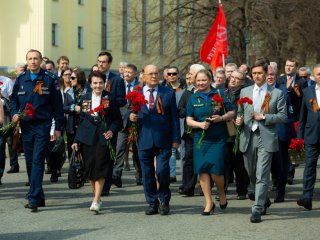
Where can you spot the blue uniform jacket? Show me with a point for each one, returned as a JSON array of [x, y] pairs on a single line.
[[159, 129], [309, 126], [88, 127], [117, 89], [47, 106]]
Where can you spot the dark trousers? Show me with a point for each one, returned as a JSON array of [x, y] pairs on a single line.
[[312, 152], [149, 174], [236, 163], [35, 137], [2, 154], [189, 179], [279, 169], [13, 157], [70, 140]]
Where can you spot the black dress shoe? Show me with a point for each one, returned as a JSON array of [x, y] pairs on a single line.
[[290, 181], [54, 177], [117, 181], [139, 182], [210, 212], [186, 193], [164, 209], [251, 196], [151, 211], [34, 208], [13, 170], [279, 198], [27, 184], [307, 204], [173, 179], [255, 218], [266, 206]]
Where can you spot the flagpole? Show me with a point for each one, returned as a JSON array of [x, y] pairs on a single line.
[[223, 64]]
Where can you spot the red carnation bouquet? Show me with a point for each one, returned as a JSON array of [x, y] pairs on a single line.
[[28, 111], [99, 114], [241, 102], [136, 100], [216, 102], [296, 148]]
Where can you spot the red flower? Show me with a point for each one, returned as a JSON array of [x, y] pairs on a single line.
[[244, 100], [217, 98], [138, 88], [29, 110], [1, 83]]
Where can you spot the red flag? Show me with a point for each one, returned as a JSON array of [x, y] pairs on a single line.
[[216, 43]]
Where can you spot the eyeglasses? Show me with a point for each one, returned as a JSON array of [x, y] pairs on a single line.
[[67, 74], [172, 74], [73, 78]]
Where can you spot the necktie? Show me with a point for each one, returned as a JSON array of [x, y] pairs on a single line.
[[257, 108], [128, 88], [151, 99]]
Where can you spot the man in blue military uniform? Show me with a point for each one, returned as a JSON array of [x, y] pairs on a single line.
[[37, 87]]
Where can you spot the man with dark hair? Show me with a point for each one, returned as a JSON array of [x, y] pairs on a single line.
[[36, 87], [115, 85], [63, 63], [258, 139], [50, 67]]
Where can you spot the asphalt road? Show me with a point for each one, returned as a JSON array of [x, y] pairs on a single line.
[[67, 214]]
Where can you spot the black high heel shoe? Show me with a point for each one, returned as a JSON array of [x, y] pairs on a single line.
[[224, 206], [210, 212]]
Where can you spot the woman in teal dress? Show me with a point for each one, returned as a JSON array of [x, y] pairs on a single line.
[[204, 116]]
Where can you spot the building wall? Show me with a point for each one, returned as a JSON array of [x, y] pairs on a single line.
[[28, 24]]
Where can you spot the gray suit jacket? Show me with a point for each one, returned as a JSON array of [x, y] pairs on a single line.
[[268, 132]]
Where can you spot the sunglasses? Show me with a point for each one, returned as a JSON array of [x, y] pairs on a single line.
[[73, 78], [172, 74]]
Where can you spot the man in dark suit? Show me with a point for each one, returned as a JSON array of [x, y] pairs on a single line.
[[309, 130], [305, 73], [159, 131], [129, 75], [286, 132], [294, 85], [115, 85]]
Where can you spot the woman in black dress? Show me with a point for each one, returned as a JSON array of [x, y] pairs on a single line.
[[92, 137]]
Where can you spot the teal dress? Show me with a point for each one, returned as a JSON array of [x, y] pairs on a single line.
[[209, 158]]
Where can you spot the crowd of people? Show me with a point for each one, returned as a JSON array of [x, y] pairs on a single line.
[[183, 118]]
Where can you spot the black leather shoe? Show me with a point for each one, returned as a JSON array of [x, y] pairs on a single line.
[[54, 177], [139, 182], [290, 181], [251, 196], [13, 169], [117, 181], [34, 208], [151, 211], [27, 184], [279, 198], [210, 212], [307, 204], [173, 179], [266, 206], [164, 209], [255, 218], [186, 193], [224, 206]]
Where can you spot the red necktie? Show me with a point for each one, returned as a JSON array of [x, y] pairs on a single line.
[[151, 99]]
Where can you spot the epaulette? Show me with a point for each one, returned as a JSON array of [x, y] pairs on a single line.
[[52, 75], [21, 74]]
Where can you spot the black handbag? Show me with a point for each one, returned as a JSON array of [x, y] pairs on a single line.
[[76, 171], [58, 154]]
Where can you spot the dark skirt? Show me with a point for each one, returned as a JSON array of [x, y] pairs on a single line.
[[96, 160]]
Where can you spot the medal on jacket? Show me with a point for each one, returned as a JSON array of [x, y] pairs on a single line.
[[86, 105], [38, 87], [105, 101]]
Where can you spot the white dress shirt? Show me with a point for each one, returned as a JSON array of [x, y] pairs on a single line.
[[318, 94], [96, 100], [258, 95], [146, 93]]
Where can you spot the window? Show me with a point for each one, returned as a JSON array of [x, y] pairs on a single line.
[[144, 46], [54, 33], [80, 37], [162, 26], [81, 2], [126, 26], [105, 24]]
